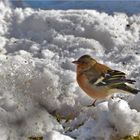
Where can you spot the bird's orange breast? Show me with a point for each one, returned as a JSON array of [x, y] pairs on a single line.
[[90, 89]]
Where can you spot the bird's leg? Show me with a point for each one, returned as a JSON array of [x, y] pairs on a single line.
[[93, 104]]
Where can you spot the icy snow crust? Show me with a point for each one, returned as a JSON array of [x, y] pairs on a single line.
[[37, 78]]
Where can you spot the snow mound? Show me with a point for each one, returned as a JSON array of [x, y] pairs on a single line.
[[39, 95]]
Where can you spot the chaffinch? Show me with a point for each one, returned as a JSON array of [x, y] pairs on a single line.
[[99, 81]]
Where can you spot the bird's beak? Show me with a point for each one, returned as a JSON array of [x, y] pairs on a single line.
[[75, 62]]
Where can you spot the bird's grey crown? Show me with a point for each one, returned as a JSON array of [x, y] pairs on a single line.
[[85, 57]]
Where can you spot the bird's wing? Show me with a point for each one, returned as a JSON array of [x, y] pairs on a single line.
[[111, 77]]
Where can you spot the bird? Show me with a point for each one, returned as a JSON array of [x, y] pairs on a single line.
[[100, 81]]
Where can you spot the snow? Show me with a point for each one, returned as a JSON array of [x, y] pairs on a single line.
[[54, 135], [119, 111], [39, 95]]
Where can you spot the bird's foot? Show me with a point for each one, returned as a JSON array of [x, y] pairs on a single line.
[[93, 104]]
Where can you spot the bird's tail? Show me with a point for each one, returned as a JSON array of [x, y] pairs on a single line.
[[127, 88]]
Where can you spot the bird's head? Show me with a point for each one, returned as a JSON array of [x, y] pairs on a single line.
[[85, 61]]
